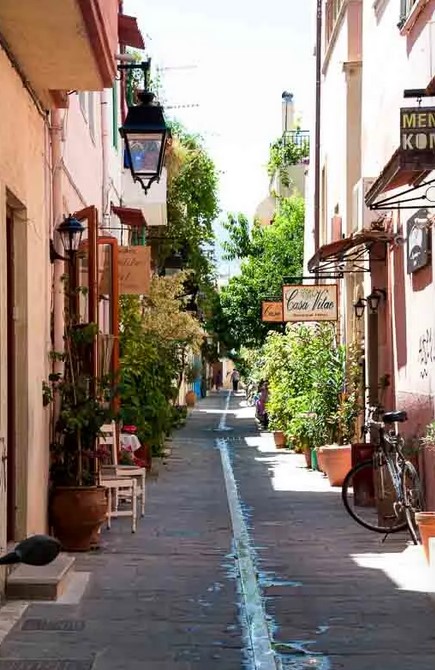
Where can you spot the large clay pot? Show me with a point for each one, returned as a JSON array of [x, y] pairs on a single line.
[[320, 460], [307, 454], [337, 461], [426, 525], [190, 398], [77, 513], [279, 438]]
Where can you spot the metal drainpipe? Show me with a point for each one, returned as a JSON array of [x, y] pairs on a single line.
[[317, 129], [58, 266], [105, 204]]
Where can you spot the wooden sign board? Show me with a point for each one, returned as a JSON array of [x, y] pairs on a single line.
[[134, 270], [271, 312], [302, 302]]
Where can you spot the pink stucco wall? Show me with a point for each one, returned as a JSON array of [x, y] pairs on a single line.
[[408, 338]]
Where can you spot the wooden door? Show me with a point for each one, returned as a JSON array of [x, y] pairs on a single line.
[[11, 380]]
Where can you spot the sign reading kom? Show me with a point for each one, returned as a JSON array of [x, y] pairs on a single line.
[[417, 128]]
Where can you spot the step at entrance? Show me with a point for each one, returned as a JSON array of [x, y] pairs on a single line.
[[28, 582]]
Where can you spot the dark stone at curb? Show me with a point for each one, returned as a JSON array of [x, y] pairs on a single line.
[[13, 664], [67, 625]]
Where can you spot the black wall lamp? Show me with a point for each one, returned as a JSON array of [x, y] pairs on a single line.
[[359, 307], [145, 133], [374, 299], [70, 232]]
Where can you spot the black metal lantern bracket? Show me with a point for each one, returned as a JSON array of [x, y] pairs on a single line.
[[144, 132], [359, 307], [70, 231], [374, 299]]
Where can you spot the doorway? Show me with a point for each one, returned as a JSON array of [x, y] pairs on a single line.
[[11, 379]]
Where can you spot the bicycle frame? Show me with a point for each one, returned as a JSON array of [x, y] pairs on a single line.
[[394, 460]]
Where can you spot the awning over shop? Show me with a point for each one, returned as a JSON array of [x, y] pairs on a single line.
[[348, 254], [130, 216], [129, 34], [403, 169]]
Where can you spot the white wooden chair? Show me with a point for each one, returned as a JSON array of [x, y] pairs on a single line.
[[125, 487], [117, 471]]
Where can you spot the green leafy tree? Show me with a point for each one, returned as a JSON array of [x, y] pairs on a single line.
[[268, 254]]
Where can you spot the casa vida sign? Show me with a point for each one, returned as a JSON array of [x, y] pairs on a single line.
[[310, 303], [271, 311], [417, 128]]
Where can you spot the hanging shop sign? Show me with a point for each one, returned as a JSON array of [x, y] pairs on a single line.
[[134, 271], [418, 240], [134, 267], [310, 303], [271, 311], [417, 129]]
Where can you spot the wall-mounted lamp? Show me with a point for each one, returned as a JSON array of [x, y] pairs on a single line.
[[374, 299], [70, 231], [359, 307]]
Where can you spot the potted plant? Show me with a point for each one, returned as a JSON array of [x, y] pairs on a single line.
[[192, 373], [77, 505], [426, 520]]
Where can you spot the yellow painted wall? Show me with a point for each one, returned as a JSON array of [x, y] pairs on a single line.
[[24, 184]]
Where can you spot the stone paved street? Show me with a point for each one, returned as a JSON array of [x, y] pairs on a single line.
[[168, 598]]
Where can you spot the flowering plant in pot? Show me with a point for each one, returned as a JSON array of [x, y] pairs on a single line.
[[77, 505]]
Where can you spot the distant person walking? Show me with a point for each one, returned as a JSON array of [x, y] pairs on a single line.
[[218, 380], [235, 378]]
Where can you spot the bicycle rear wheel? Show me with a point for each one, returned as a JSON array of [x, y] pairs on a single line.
[[369, 496], [412, 498]]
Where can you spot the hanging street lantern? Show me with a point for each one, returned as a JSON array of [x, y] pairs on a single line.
[[145, 134], [70, 231]]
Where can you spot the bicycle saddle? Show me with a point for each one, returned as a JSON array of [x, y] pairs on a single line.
[[392, 417]]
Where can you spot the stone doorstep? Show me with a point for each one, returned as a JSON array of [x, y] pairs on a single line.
[[48, 582]]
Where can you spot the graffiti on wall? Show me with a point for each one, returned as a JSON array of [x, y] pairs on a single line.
[[426, 352]]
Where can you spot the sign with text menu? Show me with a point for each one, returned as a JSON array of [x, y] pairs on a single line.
[[302, 302], [417, 129]]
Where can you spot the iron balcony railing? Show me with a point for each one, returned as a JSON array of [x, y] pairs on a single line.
[[296, 146]]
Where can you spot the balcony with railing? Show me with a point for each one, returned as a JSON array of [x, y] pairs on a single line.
[[288, 157]]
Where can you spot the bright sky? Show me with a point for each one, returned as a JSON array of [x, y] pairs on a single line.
[[233, 58]]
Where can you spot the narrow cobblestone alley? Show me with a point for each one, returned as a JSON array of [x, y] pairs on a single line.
[[169, 597]]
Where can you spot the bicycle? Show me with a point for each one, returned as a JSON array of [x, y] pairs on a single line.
[[383, 493]]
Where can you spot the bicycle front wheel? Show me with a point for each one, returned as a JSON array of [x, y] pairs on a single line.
[[412, 498], [369, 496]]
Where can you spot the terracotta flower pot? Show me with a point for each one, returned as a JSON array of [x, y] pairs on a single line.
[[307, 454], [426, 525], [77, 513], [320, 461], [337, 461], [279, 438], [190, 398]]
